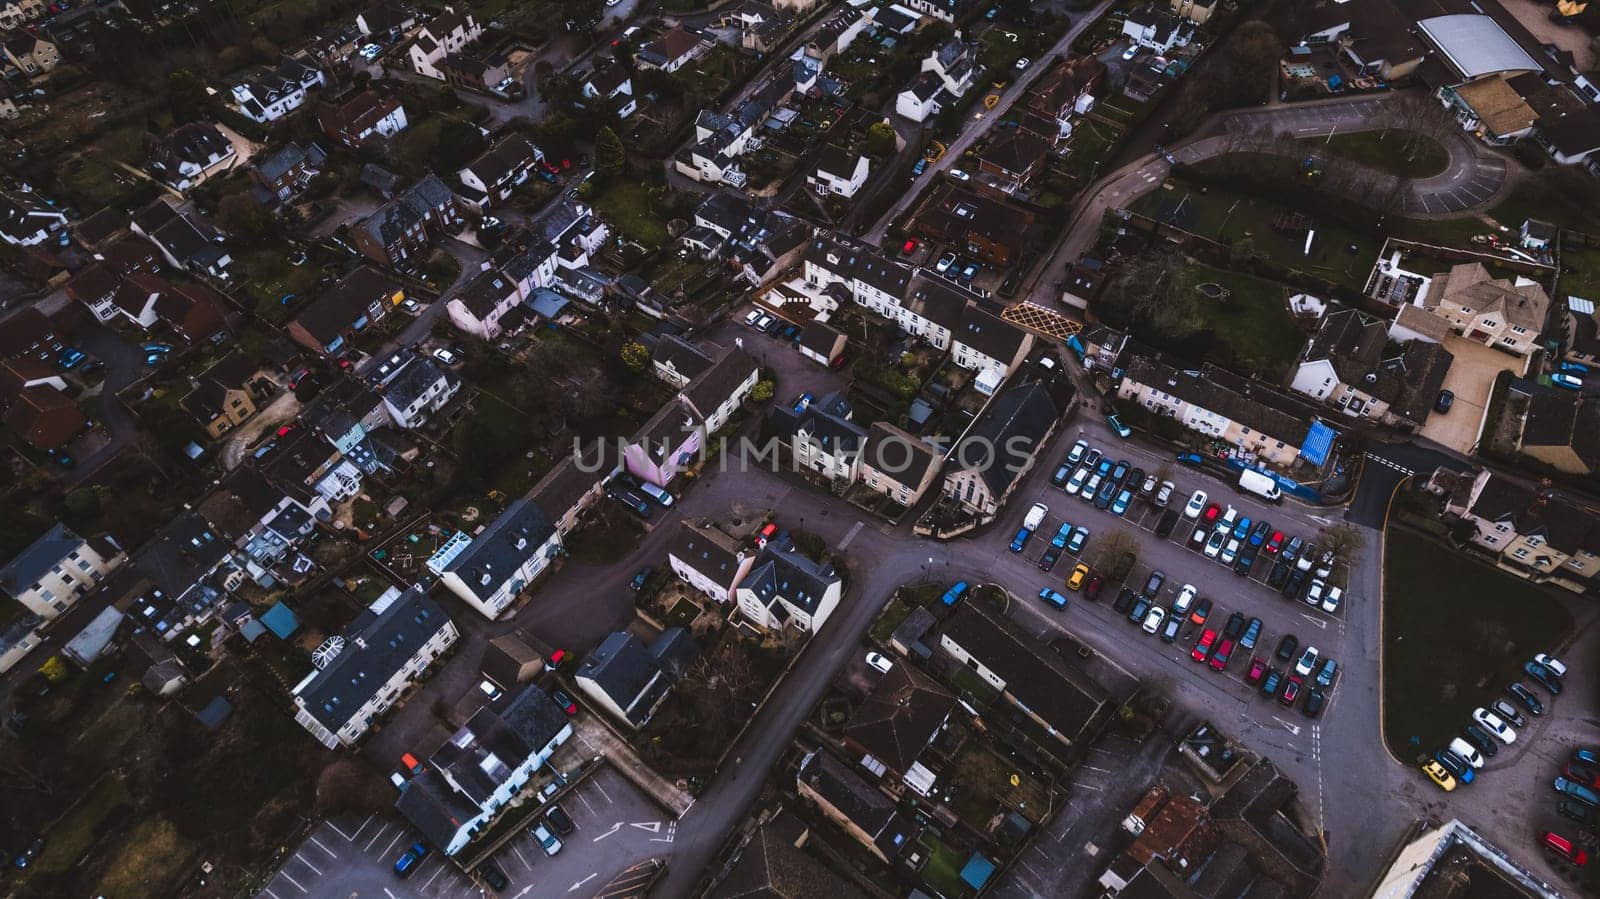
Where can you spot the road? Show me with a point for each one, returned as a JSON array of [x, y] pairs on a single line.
[[124, 364], [1081, 23]]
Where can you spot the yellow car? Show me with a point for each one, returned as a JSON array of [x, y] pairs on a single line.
[[1077, 577], [1440, 776]]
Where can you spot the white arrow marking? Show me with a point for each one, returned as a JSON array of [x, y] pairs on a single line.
[[652, 826], [614, 829], [524, 892], [1292, 728], [580, 883]]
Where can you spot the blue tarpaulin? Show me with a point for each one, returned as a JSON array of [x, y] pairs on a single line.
[[280, 619], [1319, 442], [977, 872]]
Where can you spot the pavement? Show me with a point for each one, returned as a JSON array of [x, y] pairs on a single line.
[[1471, 378]]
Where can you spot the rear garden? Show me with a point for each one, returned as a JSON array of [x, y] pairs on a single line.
[[1444, 658]]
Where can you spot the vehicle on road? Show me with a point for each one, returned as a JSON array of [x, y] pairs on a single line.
[[1023, 63], [1191, 459], [954, 594], [878, 663], [1053, 597], [1076, 578], [959, 175], [1494, 724]]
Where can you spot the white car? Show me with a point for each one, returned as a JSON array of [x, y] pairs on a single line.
[[944, 263], [1230, 552], [1164, 495], [1228, 520], [1314, 594], [1186, 596], [1308, 662], [1330, 603], [412, 307], [1556, 666], [1131, 52], [1023, 63], [1494, 724], [1468, 752], [1089, 488], [879, 663], [1075, 483], [753, 317], [960, 175], [1214, 544], [490, 690], [1154, 620], [1197, 504], [764, 322], [546, 839], [445, 356]]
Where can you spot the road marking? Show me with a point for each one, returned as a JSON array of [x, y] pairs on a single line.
[[524, 892], [522, 857], [1101, 770], [436, 873], [322, 847], [614, 829], [850, 534], [303, 861], [1314, 620], [1292, 728], [652, 826], [585, 741], [293, 881], [393, 896], [585, 802], [602, 791], [1091, 787], [350, 837], [269, 892], [580, 883], [375, 837], [397, 834]]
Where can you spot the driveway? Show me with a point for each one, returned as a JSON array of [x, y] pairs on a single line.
[[124, 364], [1471, 379]]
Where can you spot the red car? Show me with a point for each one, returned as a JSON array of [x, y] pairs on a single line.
[[555, 660], [1096, 584], [1212, 511], [1563, 847], [767, 533], [1203, 648], [910, 246], [1291, 690], [285, 430], [1258, 670], [1219, 659], [1275, 542], [410, 763], [566, 702], [1584, 774]]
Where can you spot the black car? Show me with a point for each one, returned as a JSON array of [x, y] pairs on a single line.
[[1060, 475], [1135, 480], [1123, 600], [1525, 696], [1544, 677], [1287, 646], [640, 579], [1315, 699], [1235, 626], [1455, 764], [492, 876], [1279, 574], [1581, 812], [558, 819], [1169, 631], [1247, 559], [1481, 740], [1108, 489], [1444, 401], [1201, 611], [1297, 582], [1269, 684], [1169, 520], [1141, 608], [1048, 560], [1152, 587]]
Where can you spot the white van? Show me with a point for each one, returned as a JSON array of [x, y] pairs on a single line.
[[1260, 484], [655, 493]]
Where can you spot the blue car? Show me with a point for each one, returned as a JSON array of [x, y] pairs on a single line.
[[1103, 468], [1060, 539], [1021, 540], [1575, 367], [1054, 598], [157, 348], [1116, 424], [804, 401], [1562, 379], [1241, 529], [1194, 459], [71, 358], [1119, 506], [954, 594], [412, 859], [1080, 536]]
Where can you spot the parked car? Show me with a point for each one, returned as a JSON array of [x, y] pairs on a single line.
[[493, 877], [1152, 586], [954, 594], [1141, 607], [1291, 690], [1287, 646], [1564, 847], [1542, 676], [1252, 633], [564, 701], [27, 855], [1202, 647], [1556, 666], [1279, 574], [1116, 425], [546, 840], [1230, 552], [1330, 669], [1196, 505], [1525, 696], [1256, 671], [1075, 483], [559, 820], [1331, 602], [1078, 451], [1075, 543], [1565, 381], [1466, 752], [1202, 611], [1509, 712], [1186, 595], [1308, 661], [1577, 791], [1076, 578], [1581, 812], [1165, 524], [1169, 631], [1194, 460], [1197, 540], [1048, 559], [878, 663], [1495, 725], [1119, 506], [1443, 402], [1235, 625], [1480, 740], [1214, 544], [1124, 601], [1295, 583], [1164, 494], [1455, 765], [1219, 659], [1153, 621], [1316, 698], [410, 860]]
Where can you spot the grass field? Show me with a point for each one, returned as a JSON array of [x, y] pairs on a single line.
[[1455, 632], [627, 206], [1401, 153], [1253, 324]]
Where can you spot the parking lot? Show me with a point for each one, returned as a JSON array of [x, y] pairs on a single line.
[[614, 826]]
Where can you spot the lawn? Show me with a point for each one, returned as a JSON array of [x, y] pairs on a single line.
[[627, 206], [942, 871], [72, 836], [1584, 278], [985, 783], [1403, 153], [1455, 631], [1253, 324]]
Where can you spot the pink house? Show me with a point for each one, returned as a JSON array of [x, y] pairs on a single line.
[[667, 443]]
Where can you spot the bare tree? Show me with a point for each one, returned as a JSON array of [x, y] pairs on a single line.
[[1343, 540]]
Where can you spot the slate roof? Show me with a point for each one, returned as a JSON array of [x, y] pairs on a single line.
[[858, 801], [900, 717], [937, 301], [508, 154], [480, 757], [712, 387], [838, 161], [782, 572], [819, 338], [1019, 417], [509, 541], [434, 807], [852, 259], [193, 142], [1555, 420], [990, 334], [376, 646], [675, 43], [288, 158], [835, 434], [1214, 390], [39, 557], [624, 669], [773, 866], [707, 550], [414, 379], [682, 356], [184, 551], [1469, 284]]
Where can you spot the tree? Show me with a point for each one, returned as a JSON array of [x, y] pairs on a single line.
[[1106, 551], [762, 392], [242, 216], [349, 786], [83, 504], [1343, 540], [880, 139], [186, 96], [609, 156], [635, 356], [1152, 292]]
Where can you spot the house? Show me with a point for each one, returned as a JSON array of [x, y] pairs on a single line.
[[16, 13], [675, 48], [311, 469], [921, 98], [449, 32], [677, 361], [1496, 109], [129, 255], [943, 10], [786, 589], [478, 305], [897, 464], [1000, 447], [401, 232], [1374, 36], [1014, 158], [611, 86], [489, 571], [18, 637], [855, 806], [822, 440], [719, 140], [630, 680], [895, 724], [1502, 313], [350, 306], [761, 28], [991, 230], [58, 569], [362, 117], [774, 864], [1582, 330], [189, 154], [479, 71], [17, 375], [1156, 29], [955, 62], [1196, 11], [709, 560], [1538, 535], [666, 444], [759, 243], [385, 20], [333, 45], [861, 270], [572, 487], [287, 171], [346, 414], [820, 343], [269, 95], [30, 54], [500, 169], [44, 417], [185, 240], [1061, 699], [27, 220], [1352, 363], [223, 396], [1247, 415], [1569, 132], [485, 764], [839, 172], [1560, 429], [420, 388], [990, 346], [365, 669], [716, 393], [508, 660], [28, 332]]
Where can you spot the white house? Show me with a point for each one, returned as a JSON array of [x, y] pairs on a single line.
[[26, 220], [630, 680], [188, 154], [271, 95], [419, 388], [709, 560], [612, 86], [1156, 29], [57, 569], [490, 570], [674, 49], [786, 589], [839, 172], [360, 673], [822, 438], [482, 767], [920, 99], [956, 63], [449, 32], [989, 345], [500, 169], [721, 389]]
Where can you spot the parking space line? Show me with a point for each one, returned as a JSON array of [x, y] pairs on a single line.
[[521, 857], [347, 837], [399, 832], [585, 802], [375, 837], [269, 892], [301, 859], [437, 871], [293, 881], [602, 790], [389, 894], [314, 839]]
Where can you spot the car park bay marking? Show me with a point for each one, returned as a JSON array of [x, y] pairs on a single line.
[[652, 826], [302, 860], [397, 834], [322, 847], [522, 858], [393, 896], [1315, 620], [293, 881], [672, 830], [377, 835], [850, 534], [1292, 728], [269, 892], [614, 828], [580, 883]]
